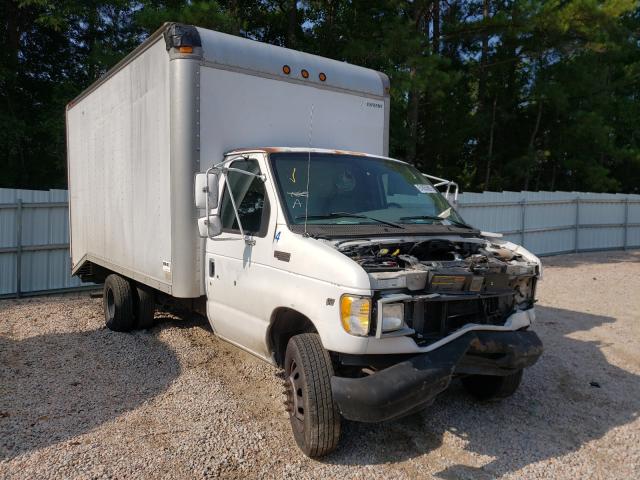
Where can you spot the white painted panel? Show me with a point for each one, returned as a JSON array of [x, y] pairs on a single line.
[[239, 110], [119, 166], [241, 53]]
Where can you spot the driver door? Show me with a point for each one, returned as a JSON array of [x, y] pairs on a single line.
[[237, 271]]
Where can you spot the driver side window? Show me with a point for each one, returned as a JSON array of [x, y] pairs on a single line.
[[250, 197]]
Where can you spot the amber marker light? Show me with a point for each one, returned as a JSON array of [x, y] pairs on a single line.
[[286, 69], [322, 77], [304, 74], [185, 49]]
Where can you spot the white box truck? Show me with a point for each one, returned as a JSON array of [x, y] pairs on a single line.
[[252, 183]]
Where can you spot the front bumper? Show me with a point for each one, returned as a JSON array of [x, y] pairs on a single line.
[[413, 384]]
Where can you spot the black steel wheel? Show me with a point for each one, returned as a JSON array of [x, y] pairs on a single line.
[[117, 299], [490, 387], [314, 417]]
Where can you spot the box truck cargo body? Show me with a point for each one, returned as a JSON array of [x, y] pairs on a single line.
[[253, 184], [137, 138]]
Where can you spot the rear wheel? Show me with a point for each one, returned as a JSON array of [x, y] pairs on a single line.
[[490, 387], [315, 419], [117, 299], [144, 306]]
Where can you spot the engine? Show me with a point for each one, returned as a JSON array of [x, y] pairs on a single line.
[[451, 282]]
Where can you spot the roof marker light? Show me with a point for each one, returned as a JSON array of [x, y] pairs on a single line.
[[322, 77], [304, 73], [286, 69]]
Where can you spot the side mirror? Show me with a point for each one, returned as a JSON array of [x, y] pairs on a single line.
[[210, 226], [206, 185]]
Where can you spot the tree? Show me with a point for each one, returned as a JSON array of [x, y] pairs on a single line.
[[500, 94]]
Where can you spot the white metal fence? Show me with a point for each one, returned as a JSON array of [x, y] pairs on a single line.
[[34, 243], [34, 238], [550, 223]]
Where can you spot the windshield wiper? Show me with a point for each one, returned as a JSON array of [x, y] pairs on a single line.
[[435, 217], [347, 214]]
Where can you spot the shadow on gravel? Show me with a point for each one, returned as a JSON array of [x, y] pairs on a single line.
[[55, 387], [555, 411]]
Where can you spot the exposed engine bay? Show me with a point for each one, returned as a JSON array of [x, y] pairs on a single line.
[[449, 282]]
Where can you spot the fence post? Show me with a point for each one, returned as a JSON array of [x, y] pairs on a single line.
[[523, 220], [19, 249], [577, 225], [626, 221]]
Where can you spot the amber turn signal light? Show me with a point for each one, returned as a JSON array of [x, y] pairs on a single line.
[[185, 49]]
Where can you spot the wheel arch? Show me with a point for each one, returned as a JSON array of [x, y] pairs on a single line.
[[285, 323]]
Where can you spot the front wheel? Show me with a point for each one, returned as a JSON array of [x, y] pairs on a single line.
[[490, 387], [315, 419]]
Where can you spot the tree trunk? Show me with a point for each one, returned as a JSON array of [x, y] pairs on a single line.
[[491, 136], [13, 31], [435, 15], [414, 91], [13, 22], [449, 45], [412, 117], [482, 90], [292, 25], [484, 53], [235, 14], [532, 142], [91, 39]]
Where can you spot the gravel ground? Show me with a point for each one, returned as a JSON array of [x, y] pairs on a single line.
[[79, 401]]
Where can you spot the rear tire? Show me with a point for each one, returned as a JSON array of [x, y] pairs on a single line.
[[144, 306], [117, 299], [315, 419], [490, 387]]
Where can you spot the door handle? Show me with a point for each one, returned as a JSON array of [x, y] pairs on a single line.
[[212, 268]]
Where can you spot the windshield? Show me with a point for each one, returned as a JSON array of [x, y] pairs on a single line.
[[352, 189]]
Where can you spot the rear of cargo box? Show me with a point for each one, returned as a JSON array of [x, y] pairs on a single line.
[[119, 152]]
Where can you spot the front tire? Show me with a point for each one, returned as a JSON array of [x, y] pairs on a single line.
[[117, 299], [490, 387], [314, 417]]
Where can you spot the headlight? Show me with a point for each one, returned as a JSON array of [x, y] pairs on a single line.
[[392, 316], [355, 314]]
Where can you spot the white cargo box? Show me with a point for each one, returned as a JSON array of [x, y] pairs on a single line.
[[170, 109]]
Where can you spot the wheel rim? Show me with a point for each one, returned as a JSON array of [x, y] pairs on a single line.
[[111, 303], [295, 392]]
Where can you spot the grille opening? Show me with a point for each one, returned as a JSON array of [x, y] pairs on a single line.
[[434, 319]]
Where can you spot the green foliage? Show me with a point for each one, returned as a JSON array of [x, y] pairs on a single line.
[[499, 94]]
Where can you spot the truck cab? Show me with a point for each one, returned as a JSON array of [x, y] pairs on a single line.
[[359, 261]]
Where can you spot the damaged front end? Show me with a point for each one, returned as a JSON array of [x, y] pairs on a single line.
[[431, 288], [467, 304]]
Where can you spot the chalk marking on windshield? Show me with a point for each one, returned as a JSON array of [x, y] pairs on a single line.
[[297, 196], [293, 175]]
